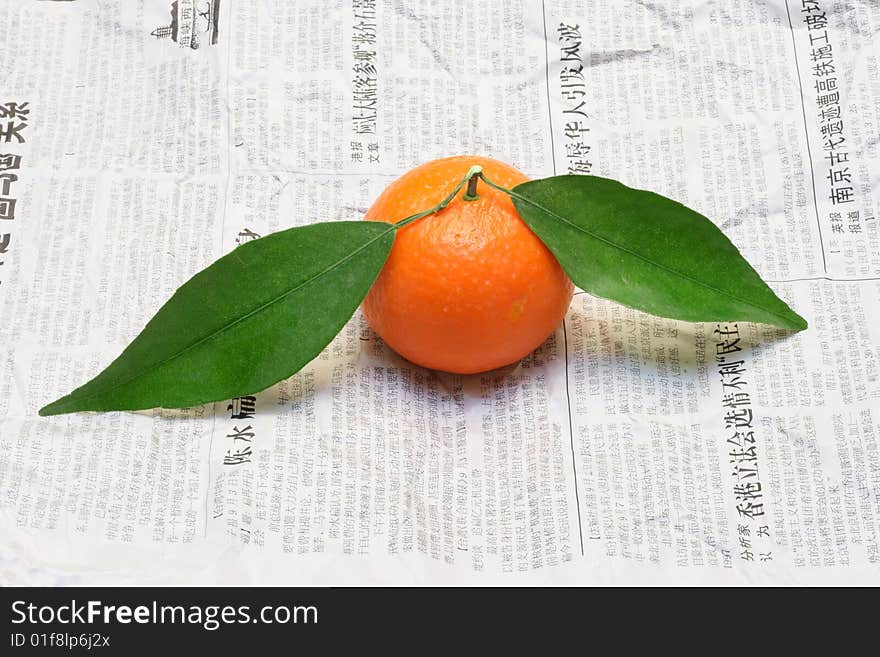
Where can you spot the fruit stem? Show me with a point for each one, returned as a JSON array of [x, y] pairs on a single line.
[[473, 176]]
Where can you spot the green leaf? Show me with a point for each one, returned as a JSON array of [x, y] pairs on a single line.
[[254, 317], [648, 252]]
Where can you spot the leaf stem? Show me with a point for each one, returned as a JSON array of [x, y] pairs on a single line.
[[495, 186]]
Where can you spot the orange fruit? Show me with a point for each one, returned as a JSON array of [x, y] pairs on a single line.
[[470, 288]]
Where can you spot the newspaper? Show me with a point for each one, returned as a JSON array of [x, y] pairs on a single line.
[[141, 140]]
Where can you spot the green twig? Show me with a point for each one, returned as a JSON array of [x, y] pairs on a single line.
[[469, 179]]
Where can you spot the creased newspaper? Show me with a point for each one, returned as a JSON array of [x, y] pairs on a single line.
[[141, 140]]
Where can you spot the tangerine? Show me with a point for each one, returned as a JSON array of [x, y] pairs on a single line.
[[470, 288]]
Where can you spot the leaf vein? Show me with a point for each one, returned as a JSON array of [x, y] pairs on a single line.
[[658, 265], [280, 297]]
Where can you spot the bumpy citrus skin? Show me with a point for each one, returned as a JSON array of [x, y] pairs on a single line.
[[468, 289]]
